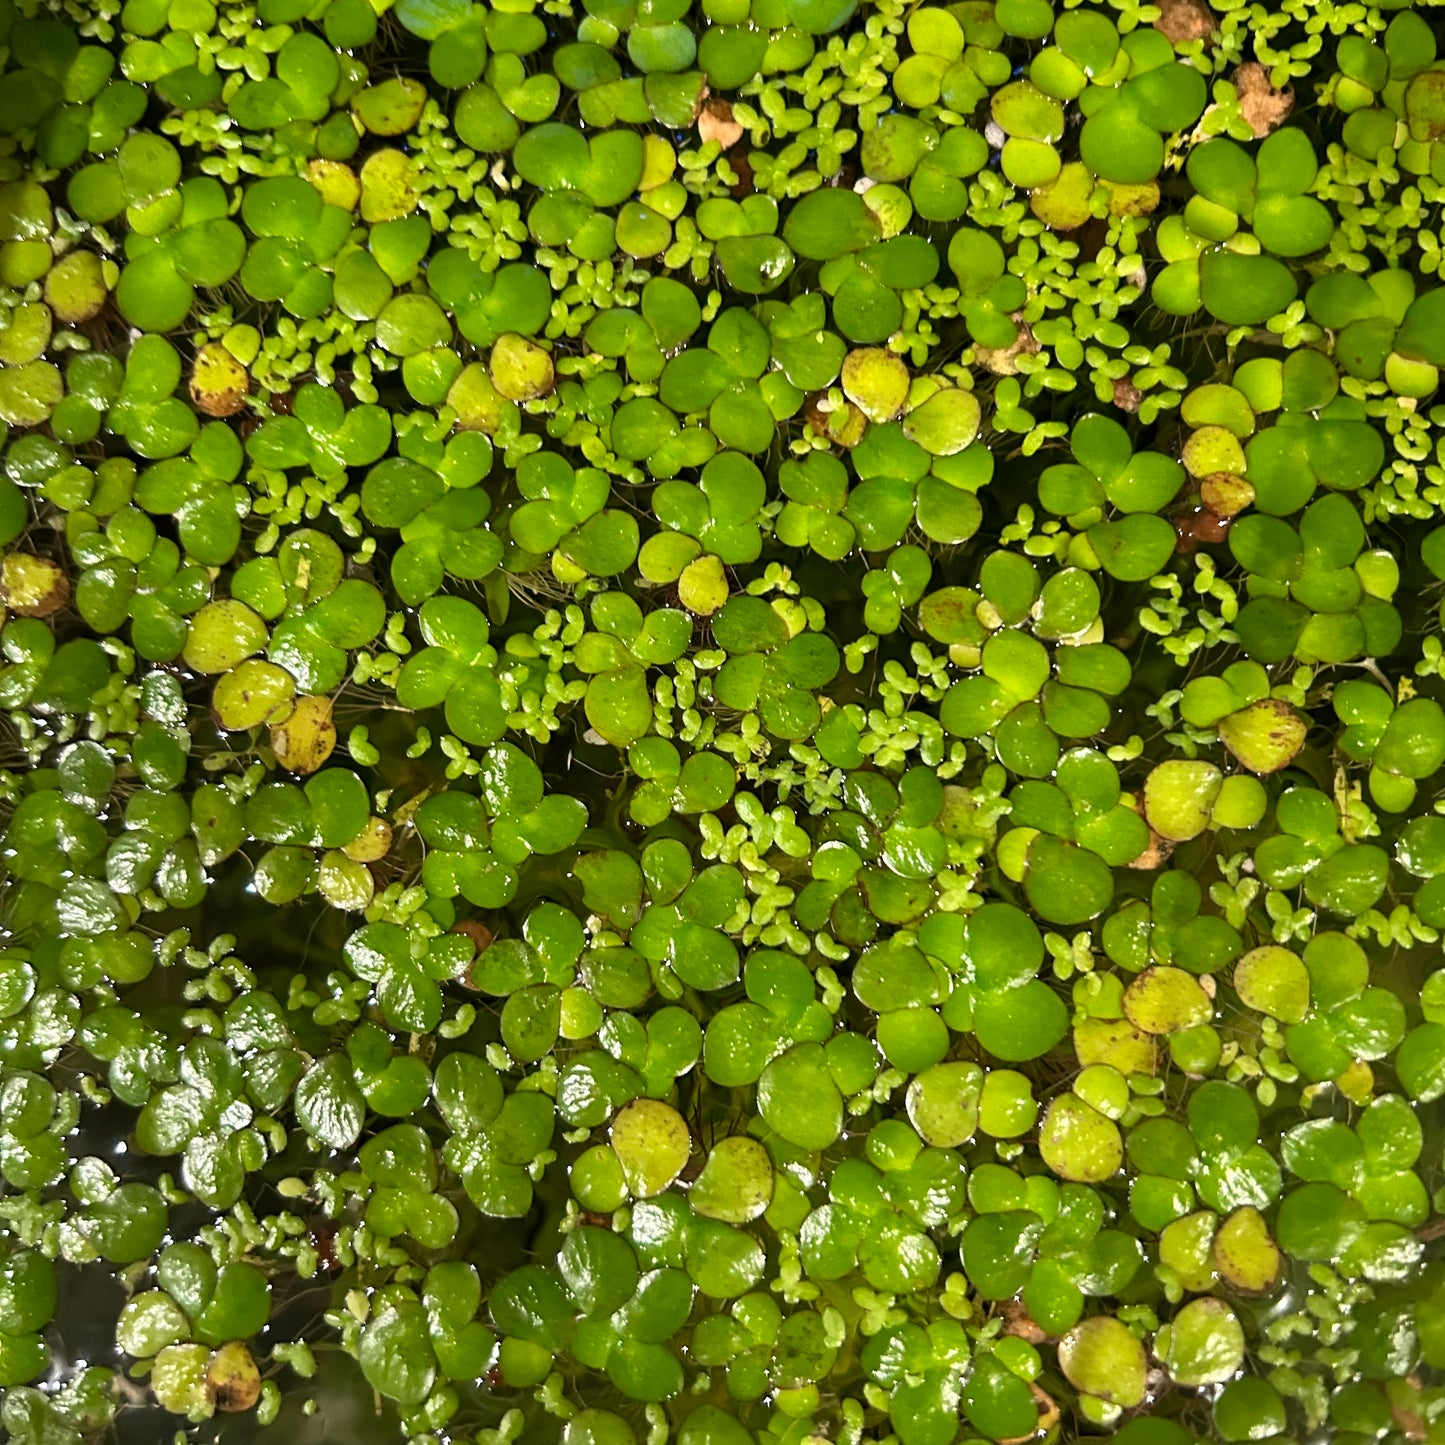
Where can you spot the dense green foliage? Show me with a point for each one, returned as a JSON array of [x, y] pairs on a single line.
[[721, 721]]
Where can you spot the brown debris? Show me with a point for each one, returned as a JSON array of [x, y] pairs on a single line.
[[843, 427], [1048, 1416], [1409, 1422], [481, 936], [1018, 1321], [1262, 106], [1002, 360], [322, 1233], [1156, 855], [1183, 20]]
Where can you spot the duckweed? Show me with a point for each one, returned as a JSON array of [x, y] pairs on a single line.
[[721, 722]]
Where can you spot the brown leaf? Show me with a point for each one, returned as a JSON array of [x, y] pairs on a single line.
[[372, 844], [33, 586], [1182, 20], [715, 122], [743, 170], [1262, 106], [219, 382], [306, 738], [1127, 396], [1204, 525], [232, 1380]]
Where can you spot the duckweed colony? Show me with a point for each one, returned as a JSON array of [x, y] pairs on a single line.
[[722, 723]]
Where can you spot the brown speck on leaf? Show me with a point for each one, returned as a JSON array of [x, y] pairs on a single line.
[[1183, 20], [237, 1394], [715, 122], [1286, 718], [218, 403], [1225, 494], [1127, 396], [372, 844], [1265, 736], [1048, 1407], [1262, 106]]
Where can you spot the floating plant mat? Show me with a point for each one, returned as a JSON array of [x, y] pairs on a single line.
[[721, 723]]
